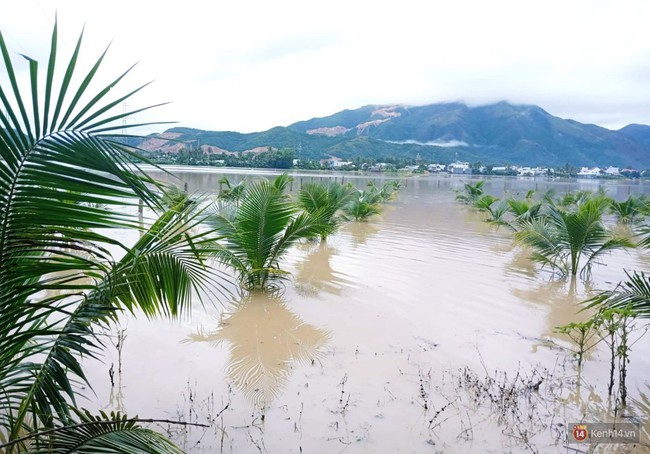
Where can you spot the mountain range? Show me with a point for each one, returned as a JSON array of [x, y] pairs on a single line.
[[493, 134]]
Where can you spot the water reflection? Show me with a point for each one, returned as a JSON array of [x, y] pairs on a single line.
[[521, 263], [315, 273], [360, 232], [265, 339], [478, 220], [640, 409], [561, 298], [589, 400]]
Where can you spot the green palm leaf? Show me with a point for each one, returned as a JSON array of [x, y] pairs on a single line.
[[64, 187], [361, 208], [563, 238], [327, 201], [644, 231], [633, 293], [257, 235], [104, 433]]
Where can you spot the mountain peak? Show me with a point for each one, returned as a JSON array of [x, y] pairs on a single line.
[[492, 133]]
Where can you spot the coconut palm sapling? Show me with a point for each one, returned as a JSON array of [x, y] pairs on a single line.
[[326, 201], [257, 235], [570, 239]]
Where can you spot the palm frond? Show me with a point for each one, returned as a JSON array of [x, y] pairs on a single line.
[[361, 209], [471, 192], [484, 202], [158, 276], [255, 236], [562, 237], [609, 245], [498, 210], [65, 186], [543, 239], [644, 231], [101, 433], [633, 293], [327, 201]]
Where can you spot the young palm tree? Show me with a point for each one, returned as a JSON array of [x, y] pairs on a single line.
[[258, 234], [364, 205], [573, 199], [231, 193], [386, 192], [63, 181], [561, 238], [327, 200], [523, 211], [629, 211], [471, 192]]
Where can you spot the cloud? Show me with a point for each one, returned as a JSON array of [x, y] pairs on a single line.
[[252, 65], [433, 143]]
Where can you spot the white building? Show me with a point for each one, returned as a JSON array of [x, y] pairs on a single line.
[[586, 172], [612, 171], [459, 168], [379, 167], [436, 167], [531, 171]]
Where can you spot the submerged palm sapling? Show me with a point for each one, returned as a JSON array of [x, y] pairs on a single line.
[[261, 230], [327, 200], [563, 237], [362, 207], [471, 192]]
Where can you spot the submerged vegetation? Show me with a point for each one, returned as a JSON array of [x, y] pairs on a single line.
[[569, 234], [326, 201], [615, 327], [67, 184], [362, 207], [563, 238], [256, 228], [261, 230], [367, 203]]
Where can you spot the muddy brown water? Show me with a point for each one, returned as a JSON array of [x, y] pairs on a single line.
[[381, 339]]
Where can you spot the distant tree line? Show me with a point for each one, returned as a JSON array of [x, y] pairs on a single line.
[[272, 158], [287, 158]]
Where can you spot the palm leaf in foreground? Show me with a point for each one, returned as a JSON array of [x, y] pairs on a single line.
[[633, 293], [66, 185], [158, 276], [104, 433]]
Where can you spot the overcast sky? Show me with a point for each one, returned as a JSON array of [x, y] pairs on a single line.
[[251, 65]]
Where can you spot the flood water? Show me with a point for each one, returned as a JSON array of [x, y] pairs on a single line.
[[381, 339]]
